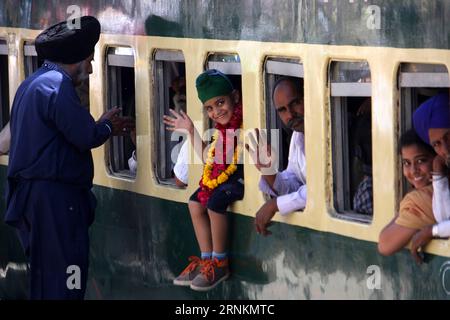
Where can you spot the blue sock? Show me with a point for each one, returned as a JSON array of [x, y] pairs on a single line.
[[219, 256], [206, 255]]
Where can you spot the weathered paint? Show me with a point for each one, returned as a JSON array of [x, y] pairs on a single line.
[[403, 23], [139, 244]]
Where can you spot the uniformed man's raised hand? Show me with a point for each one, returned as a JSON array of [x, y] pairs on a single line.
[[121, 125], [114, 112]]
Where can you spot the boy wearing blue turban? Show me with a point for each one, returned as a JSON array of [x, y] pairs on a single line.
[[432, 123]]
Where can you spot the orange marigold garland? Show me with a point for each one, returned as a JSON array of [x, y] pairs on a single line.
[[215, 174], [223, 176]]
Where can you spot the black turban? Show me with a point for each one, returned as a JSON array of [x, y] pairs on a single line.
[[59, 43]]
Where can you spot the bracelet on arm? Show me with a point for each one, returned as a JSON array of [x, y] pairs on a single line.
[[435, 231], [436, 176]]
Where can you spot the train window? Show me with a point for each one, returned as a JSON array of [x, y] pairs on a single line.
[[229, 64], [275, 69], [4, 83], [351, 140], [121, 92], [31, 61], [417, 82], [169, 93]]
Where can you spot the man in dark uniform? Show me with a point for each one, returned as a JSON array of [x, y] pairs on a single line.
[[50, 172]]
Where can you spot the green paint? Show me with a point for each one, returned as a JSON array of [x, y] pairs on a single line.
[[139, 243], [14, 285], [403, 23], [136, 252]]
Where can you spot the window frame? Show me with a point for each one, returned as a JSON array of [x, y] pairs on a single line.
[[229, 68], [226, 67], [4, 85], [30, 58], [340, 155], [160, 98], [283, 67], [4, 47], [416, 76], [114, 152]]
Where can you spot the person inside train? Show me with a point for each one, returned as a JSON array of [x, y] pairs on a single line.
[[178, 87], [287, 188], [180, 169], [415, 211], [221, 183], [432, 124], [428, 217], [362, 150], [5, 140], [5, 134]]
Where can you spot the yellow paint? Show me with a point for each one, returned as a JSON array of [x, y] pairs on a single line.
[[383, 62]]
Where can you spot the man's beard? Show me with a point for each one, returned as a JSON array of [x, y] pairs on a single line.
[[80, 76], [447, 162], [295, 122]]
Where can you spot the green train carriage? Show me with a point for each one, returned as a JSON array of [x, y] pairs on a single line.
[[394, 52]]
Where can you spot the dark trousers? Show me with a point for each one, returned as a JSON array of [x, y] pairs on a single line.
[[56, 240]]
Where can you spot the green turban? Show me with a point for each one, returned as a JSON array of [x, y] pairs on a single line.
[[212, 83]]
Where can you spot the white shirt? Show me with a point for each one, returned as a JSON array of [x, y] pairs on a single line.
[[132, 162], [290, 185], [5, 140], [441, 207], [181, 166]]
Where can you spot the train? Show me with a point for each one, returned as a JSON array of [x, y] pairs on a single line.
[[394, 53]]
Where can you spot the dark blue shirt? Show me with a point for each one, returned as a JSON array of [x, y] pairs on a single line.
[[52, 134]]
